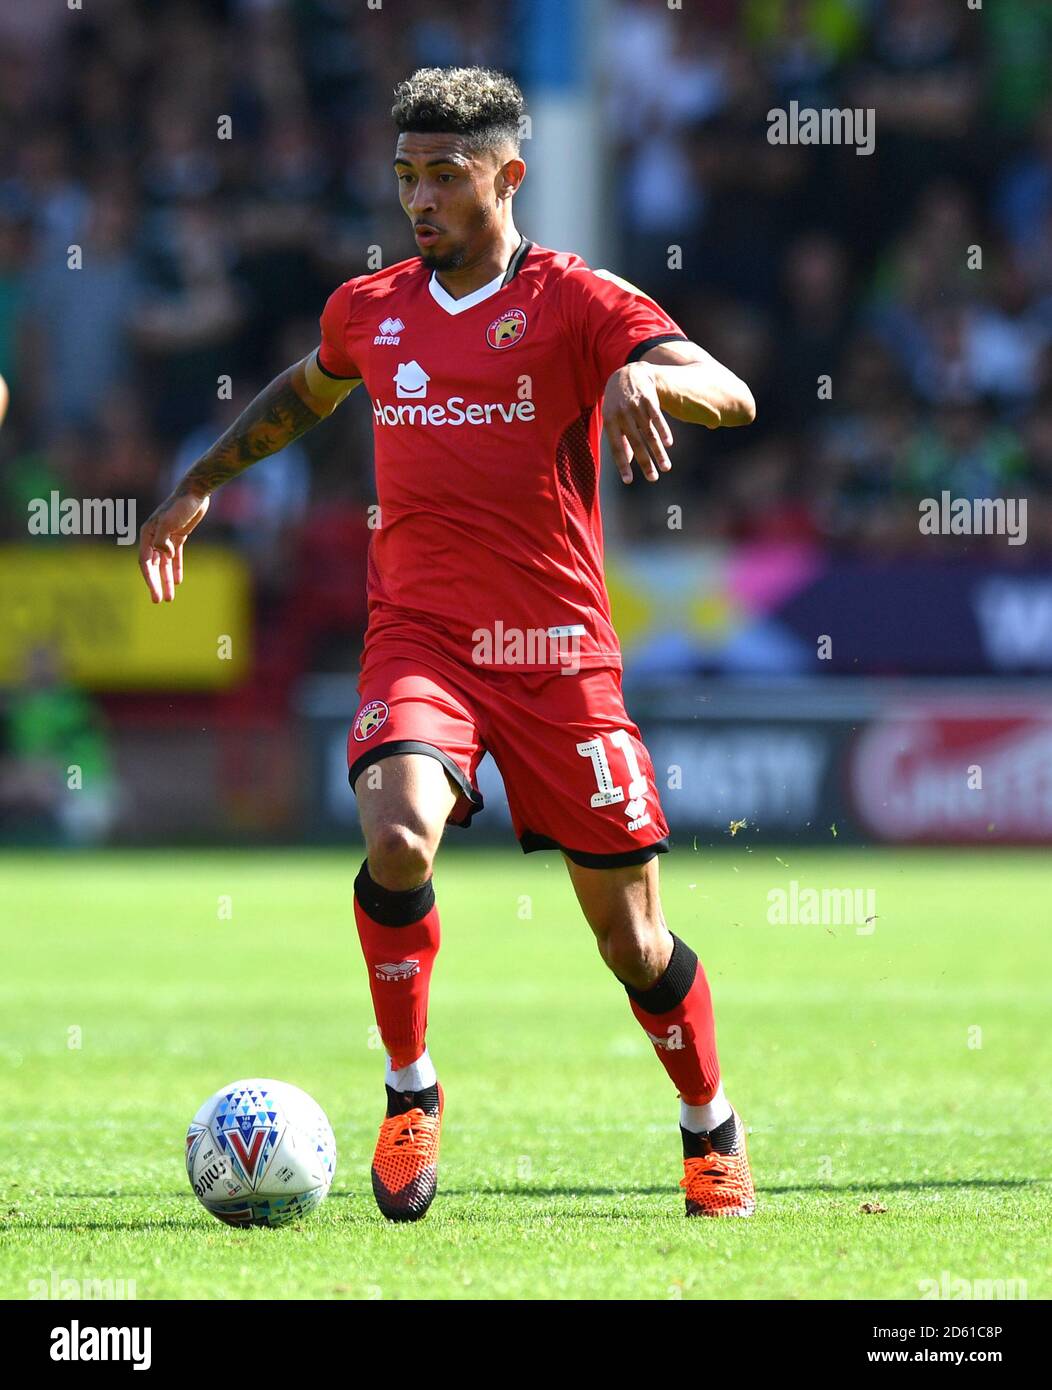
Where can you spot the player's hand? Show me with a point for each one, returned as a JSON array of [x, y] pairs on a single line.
[[161, 543], [634, 424]]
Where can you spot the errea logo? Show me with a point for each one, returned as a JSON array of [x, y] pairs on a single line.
[[388, 333], [397, 970]]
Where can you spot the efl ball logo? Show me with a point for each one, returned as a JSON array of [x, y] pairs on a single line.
[[507, 330], [370, 718], [260, 1153]]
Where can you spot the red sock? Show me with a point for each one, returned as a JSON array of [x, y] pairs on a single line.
[[676, 1013], [399, 933]]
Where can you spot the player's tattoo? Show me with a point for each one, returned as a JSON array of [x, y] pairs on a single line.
[[276, 417]]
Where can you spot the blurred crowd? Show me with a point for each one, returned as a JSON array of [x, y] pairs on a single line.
[[892, 311]]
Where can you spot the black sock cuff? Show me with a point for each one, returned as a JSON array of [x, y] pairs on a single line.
[[674, 985], [393, 907]]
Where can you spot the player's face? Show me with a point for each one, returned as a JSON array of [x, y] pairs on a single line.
[[450, 195]]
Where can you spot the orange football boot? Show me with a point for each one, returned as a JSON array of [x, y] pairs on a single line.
[[718, 1184], [405, 1162]]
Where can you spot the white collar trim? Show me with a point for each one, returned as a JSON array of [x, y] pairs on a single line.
[[446, 301]]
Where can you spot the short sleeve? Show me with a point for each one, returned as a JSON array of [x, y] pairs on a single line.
[[335, 332], [615, 322]]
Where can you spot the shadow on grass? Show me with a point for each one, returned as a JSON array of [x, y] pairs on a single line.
[[113, 1226], [890, 1185], [820, 1188], [193, 1221], [530, 1190]]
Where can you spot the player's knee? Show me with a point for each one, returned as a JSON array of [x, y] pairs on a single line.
[[636, 953], [400, 857]]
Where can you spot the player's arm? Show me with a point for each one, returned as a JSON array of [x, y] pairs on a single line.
[[292, 404], [283, 411], [681, 379]]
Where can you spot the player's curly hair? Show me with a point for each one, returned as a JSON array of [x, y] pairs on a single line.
[[484, 106]]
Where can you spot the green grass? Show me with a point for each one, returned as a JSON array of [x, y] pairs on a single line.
[[848, 1056]]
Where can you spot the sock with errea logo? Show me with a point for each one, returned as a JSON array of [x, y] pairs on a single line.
[[676, 1014], [399, 933]]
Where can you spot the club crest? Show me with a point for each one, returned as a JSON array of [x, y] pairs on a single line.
[[370, 718], [507, 330]]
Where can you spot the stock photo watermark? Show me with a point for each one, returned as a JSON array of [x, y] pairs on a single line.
[[831, 125], [531, 646], [797, 906], [58, 1285], [79, 1343], [974, 516], [951, 1286], [56, 515]]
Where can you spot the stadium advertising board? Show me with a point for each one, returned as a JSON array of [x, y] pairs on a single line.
[[975, 776], [88, 602], [814, 763], [764, 609]]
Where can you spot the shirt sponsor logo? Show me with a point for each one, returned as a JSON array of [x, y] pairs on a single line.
[[388, 334], [454, 411], [506, 331], [397, 970], [370, 718], [411, 381]]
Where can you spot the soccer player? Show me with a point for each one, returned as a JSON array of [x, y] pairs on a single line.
[[489, 361]]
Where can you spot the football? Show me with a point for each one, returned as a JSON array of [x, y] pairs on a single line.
[[260, 1153]]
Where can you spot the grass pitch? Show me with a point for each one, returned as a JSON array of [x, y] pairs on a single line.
[[905, 1069]]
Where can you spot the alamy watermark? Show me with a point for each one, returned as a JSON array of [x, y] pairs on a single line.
[[83, 516], [974, 516], [62, 1286], [823, 907], [79, 1343], [531, 646], [949, 1286], [832, 125]]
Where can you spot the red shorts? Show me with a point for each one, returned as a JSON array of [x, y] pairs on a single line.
[[577, 774]]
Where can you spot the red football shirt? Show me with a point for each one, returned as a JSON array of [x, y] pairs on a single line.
[[487, 430]]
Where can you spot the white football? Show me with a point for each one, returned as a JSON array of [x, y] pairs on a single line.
[[260, 1153]]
